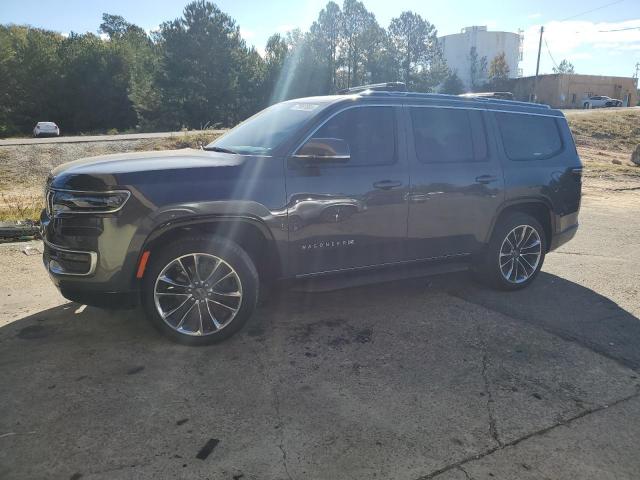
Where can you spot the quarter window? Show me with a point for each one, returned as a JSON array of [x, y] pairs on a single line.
[[529, 137], [369, 132], [444, 135]]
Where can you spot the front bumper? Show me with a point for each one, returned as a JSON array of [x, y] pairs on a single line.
[[92, 259]]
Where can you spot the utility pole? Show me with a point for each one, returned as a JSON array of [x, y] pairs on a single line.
[[535, 82]]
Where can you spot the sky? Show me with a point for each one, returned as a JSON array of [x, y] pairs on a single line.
[[574, 29]]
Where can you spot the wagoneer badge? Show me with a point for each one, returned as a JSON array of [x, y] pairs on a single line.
[[328, 244]]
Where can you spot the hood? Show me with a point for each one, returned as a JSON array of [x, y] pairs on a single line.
[[107, 171]]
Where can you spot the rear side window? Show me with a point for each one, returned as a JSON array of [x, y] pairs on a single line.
[[369, 131], [444, 135], [529, 137]]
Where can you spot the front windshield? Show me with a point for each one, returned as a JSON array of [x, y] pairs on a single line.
[[263, 132]]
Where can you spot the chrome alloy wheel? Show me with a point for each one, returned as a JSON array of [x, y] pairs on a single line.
[[198, 294], [520, 254]]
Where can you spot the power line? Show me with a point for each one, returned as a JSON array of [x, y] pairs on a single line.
[[617, 30], [551, 56], [607, 31], [592, 10]]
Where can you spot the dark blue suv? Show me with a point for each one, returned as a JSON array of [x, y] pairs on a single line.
[[371, 185]]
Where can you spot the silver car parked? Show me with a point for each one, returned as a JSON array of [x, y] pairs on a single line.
[[43, 129]]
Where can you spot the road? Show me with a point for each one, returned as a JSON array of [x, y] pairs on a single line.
[[100, 138], [430, 378]]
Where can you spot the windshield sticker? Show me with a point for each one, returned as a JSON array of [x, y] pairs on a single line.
[[305, 107]]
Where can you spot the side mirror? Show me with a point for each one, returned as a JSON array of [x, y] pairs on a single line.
[[318, 151]]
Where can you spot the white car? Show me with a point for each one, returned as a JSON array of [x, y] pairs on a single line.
[[601, 101], [45, 129]]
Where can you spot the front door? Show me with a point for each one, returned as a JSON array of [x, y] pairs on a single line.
[[353, 213], [456, 181]]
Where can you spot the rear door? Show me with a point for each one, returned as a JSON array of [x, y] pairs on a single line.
[[456, 180], [352, 214]]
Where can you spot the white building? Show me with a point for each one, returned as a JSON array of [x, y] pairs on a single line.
[[457, 52]]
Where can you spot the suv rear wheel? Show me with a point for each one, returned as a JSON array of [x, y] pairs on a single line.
[[199, 291], [515, 253]]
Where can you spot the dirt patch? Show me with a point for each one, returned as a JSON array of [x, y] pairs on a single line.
[[605, 142], [610, 130]]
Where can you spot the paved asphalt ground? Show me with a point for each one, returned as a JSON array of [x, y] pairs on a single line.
[[432, 378]]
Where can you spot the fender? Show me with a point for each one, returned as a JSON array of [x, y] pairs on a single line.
[[520, 201], [187, 221], [247, 212]]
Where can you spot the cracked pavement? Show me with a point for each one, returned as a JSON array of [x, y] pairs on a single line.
[[430, 378]]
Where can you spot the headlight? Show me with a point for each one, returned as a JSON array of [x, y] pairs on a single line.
[[66, 201]]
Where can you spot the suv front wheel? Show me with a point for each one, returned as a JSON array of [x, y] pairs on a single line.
[[515, 253], [199, 291]]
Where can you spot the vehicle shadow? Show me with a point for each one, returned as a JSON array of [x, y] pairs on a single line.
[[557, 305], [564, 308]]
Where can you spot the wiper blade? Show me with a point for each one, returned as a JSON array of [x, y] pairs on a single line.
[[219, 149]]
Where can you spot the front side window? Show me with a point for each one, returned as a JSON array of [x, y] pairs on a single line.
[[444, 135], [369, 133], [529, 137]]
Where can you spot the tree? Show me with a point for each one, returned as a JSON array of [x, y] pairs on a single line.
[[452, 84], [197, 70], [415, 44], [203, 59], [94, 86], [276, 53], [115, 26], [143, 59], [565, 67], [477, 68], [498, 72], [325, 34], [30, 77], [357, 24]]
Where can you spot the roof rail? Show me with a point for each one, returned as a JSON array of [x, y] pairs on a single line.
[[500, 95], [459, 98], [387, 86], [502, 101]]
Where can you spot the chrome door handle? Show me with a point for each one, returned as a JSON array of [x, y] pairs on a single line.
[[484, 179], [417, 197]]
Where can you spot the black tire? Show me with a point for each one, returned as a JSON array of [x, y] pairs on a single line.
[[487, 268], [232, 255]]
